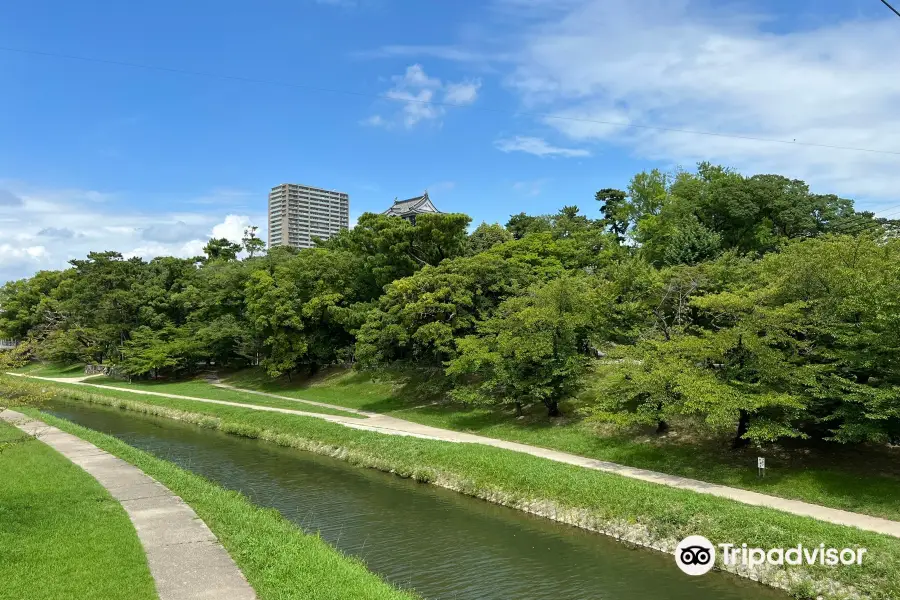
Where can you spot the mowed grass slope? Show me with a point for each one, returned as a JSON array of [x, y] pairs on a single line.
[[40, 369], [863, 480], [280, 561], [61, 534], [602, 500], [202, 389]]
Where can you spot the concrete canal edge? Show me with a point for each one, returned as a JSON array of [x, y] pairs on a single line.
[[186, 560]]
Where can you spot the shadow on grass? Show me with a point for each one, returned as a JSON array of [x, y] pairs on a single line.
[[42, 369]]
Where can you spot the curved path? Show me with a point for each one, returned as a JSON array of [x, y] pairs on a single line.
[[394, 426], [185, 558]]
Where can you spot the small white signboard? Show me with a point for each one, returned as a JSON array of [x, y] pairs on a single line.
[[761, 462]]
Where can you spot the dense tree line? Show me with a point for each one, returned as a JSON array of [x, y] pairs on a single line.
[[744, 303]]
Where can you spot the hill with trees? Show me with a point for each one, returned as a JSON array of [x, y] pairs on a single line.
[[742, 303]]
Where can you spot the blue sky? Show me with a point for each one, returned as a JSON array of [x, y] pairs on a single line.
[[95, 155]]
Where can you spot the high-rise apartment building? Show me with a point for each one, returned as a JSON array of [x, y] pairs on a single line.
[[298, 213]]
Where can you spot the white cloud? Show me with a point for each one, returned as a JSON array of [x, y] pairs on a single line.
[[153, 249], [630, 73], [17, 255], [415, 77], [232, 228], [423, 97], [51, 227], [462, 93], [665, 65], [538, 147]]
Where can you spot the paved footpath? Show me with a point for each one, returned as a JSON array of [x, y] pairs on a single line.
[[185, 558], [394, 426]]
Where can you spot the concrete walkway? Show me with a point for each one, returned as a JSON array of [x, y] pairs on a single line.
[[185, 558], [393, 426]]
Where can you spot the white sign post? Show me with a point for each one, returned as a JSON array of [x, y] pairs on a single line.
[[761, 466]]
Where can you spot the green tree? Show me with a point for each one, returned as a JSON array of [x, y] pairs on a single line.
[[616, 211], [848, 291], [303, 310], [158, 352], [532, 350], [487, 236], [251, 244], [521, 225], [100, 302], [393, 248], [221, 249], [418, 318], [690, 217]]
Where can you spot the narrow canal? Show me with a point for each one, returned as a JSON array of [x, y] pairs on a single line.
[[440, 543]]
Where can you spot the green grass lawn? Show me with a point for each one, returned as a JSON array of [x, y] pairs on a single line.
[[350, 389], [603, 500], [278, 559], [849, 478], [202, 389], [40, 369], [61, 534]]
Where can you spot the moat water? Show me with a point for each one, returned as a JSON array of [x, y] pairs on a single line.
[[440, 543]]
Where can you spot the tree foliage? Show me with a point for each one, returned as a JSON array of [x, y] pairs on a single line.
[[531, 350], [746, 304]]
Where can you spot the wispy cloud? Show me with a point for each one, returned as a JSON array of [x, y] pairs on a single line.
[[667, 65], [462, 93], [661, 66], [423, 98], [538, 147]]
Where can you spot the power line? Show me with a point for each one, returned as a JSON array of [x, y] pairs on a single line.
[[894, 10], [862, 223], [442, 104]]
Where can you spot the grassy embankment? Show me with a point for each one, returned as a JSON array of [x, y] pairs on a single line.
[[278, 559], [202, 389], [633, 510], [859, 480], [40, 369], [61, 534]]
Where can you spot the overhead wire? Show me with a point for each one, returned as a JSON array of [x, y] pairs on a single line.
[[393, 98], [894, 10], [863, 223]]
